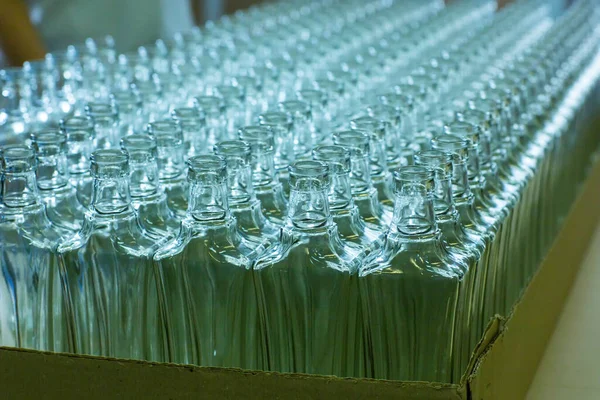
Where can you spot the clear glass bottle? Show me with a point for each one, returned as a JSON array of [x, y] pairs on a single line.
[[171, 165], [130, 107], [380, 174], [345, 214], [468, 249], [105, 118], [242, 201], [280, 124], [364, 194], [107, 272], [476, 227], [307, 286], [413, 278], [208, 303], [30, 288], [60, 198], [147, 195], [80, 144], [214, 112], [267, 186], [193, 125], [303, 130]]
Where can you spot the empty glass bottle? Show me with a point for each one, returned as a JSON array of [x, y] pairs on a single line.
[[242, 201], [147, 196], [267, 186], [380, 175], [171, 167], [80, 144], [364, 194], [60, 198], [413, 278], [107, 272], [307, 287], [105, 118], [280, 124], [207, 300], [30, 289], [345, 214], [467, 249], [193, 126]]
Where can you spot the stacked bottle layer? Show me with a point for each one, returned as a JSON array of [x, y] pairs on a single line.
[[339, 188]]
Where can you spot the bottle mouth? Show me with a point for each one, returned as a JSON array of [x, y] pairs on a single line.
[[356, 139], [187, 115], [78, 123], [17, 159], [207, 167], [210, 105], [101, 110], [337, 157], [295, 107], [275, 118], [369, 124], [109, 163], [237, 149], [435, 160], [450, 143], [139, 143]]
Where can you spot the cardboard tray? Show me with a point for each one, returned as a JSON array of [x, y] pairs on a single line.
[[503, 364]]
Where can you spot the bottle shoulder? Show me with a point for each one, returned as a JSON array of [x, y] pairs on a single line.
[[121, 232], [220, 242], [319, 250], [423, 257], [32, 224]]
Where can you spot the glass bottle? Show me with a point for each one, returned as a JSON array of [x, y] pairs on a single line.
[[130, 108], [30, 291], [303, 131], [171, 169], [242, 201], [412, 278], [214, 113], [207, 299], [468, 249], [307, 286], [380, 175], [105, 118], [267, 186], [193, 125], [364, 194], [345, 214], [80, 144], [147, 196], [107, 273], [476, 227], [280, 124], [60, 198]]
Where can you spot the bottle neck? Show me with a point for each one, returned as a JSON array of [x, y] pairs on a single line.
[[52, 171], [239, 183], [360, 173], [443, 203], [111, 195], [19, 189], [413, 211], [143, 175], [461, 189], [340, 193], [208, 202], [474, 175], [263, 167], [308, 207]]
